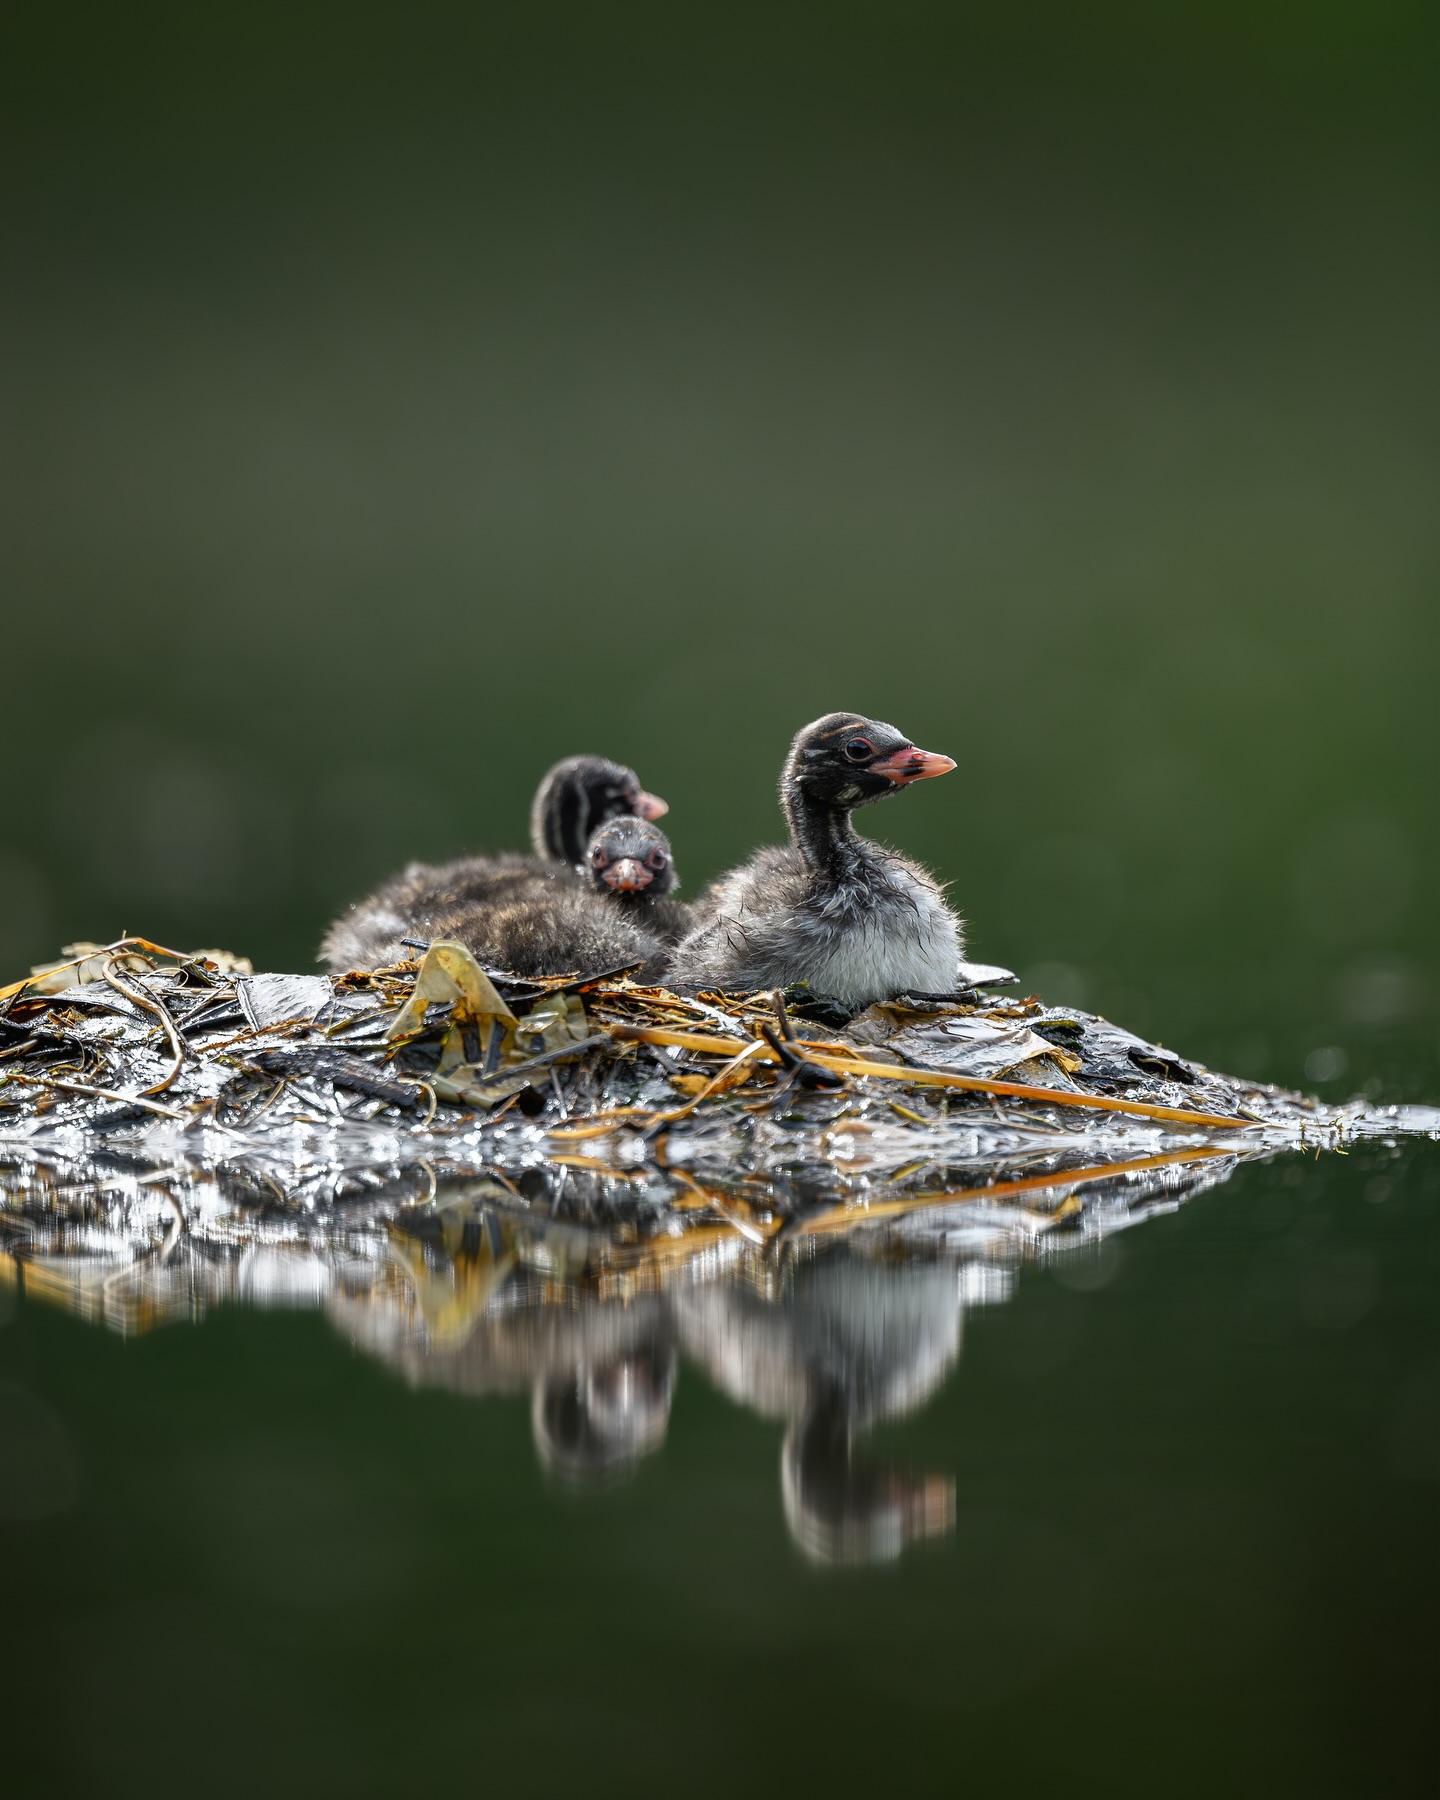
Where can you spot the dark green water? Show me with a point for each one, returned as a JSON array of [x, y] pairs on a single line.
[[388, 413], [1194, 1545]]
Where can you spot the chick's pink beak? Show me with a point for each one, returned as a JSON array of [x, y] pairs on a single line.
[[910, 764], [626, 876], [651, 806]]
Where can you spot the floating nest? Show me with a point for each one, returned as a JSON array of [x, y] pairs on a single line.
[[766, 1116]]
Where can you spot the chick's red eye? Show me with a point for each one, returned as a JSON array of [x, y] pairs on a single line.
[[858, 749], [656, 859], [597, 857]]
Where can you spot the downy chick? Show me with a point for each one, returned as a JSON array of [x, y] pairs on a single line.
[[856, 921], [573, 800]]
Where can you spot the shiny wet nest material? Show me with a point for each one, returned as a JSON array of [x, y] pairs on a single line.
[[119, 1035], [671, 1120]]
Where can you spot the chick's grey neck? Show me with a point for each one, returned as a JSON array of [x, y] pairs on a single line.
[[822, 833]]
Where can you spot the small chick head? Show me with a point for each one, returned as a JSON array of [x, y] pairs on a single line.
[[630, 856]]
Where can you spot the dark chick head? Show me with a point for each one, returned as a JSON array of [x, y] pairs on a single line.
[[847, 760], [579, 794], [630, 856]]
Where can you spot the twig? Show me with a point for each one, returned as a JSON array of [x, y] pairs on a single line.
[[80, 1087], [269, 1100], [826, 1057], [74, 962], [565, 1053], [600, 1123], [782, 1016], [415, 1080], [148, 1003], [808, 1074]]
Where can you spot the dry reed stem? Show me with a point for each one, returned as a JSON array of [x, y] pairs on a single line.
[[118, 947], [600, 1123], [850, 1064]]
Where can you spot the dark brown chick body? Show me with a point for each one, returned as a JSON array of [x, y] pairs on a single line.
[[618, 913], [508, 906]]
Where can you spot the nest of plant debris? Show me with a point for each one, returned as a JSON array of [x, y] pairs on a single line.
[[120, 1036], [167, 1118]]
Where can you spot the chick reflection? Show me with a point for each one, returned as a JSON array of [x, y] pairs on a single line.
[[486, 1304], [581, 1288], [847, 1343], [476, 1310], [845, 1509], [595, 1422]]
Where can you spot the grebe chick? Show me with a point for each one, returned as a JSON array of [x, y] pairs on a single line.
[[533, 924], [576, 797], [607, 919], [856, 921], [573, 800], [629, 862]]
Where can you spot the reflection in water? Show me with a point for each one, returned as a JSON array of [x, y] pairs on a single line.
[[597, 1419], [848, 1341], [829, 1302]]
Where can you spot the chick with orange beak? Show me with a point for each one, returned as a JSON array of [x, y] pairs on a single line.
[[855, 921], [580, 794], [484, 901], [629, 862]]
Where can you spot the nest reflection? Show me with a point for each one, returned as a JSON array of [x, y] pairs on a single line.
[[828, 1302]]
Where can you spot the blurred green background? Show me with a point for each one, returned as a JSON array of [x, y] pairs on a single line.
[[395, 401]]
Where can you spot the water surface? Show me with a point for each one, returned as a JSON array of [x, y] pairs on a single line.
[[885, 1515]]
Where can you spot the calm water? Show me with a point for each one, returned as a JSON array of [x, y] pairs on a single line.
[[385, 419], [1179, 1489]]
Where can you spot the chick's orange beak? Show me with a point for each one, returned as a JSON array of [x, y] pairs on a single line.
[[626, 875], [651, 806], [910, 764]]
